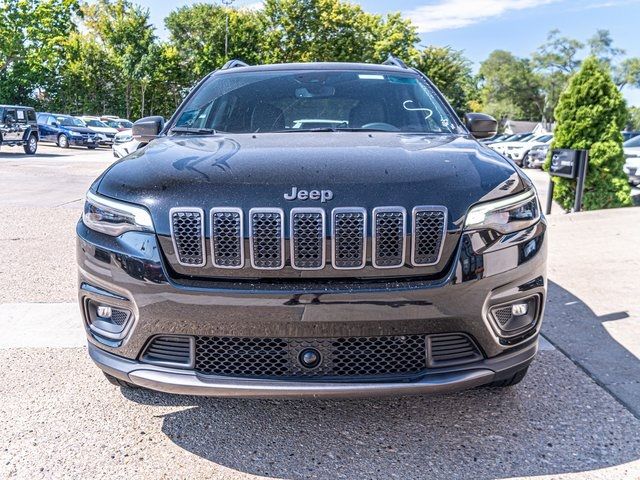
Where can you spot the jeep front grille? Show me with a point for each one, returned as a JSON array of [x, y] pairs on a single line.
[[307, 239], [187, 231], [429, 224], [389, 232], [227, 238], [266, 232], [349, 238], [308, 230]]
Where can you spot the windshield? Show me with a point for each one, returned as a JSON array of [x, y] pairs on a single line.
[[632, 142], [70, 122], [95, 123], [295, 101]]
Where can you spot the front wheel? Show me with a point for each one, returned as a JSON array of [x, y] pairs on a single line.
[[31, 146], [63, 141], [92, 147]]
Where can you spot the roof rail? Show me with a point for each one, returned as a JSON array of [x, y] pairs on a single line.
[[234, 64], [391, 60]]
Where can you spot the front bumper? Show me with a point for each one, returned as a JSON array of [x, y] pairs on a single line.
[[82, 142], [128, 272], [178, 381]]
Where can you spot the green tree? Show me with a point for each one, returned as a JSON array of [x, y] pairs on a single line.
[[32, 39], [590, 115], [508, 80], [634, 118], [198, 32], [451, 72], [555, 60], [124, 28], [601, 47], [333, 30]]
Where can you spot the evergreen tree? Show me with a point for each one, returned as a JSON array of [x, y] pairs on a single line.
[[590, 115]]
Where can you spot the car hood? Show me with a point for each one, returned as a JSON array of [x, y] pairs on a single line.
[[78, 129], [361, 169]]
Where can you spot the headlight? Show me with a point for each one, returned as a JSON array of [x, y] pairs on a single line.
[[113, 217], [505, 215], [75, 134]]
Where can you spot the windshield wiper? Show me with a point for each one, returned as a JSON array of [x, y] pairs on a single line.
[[196, 131], [331, 129]]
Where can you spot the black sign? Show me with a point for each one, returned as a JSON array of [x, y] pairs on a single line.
[[564, 163]]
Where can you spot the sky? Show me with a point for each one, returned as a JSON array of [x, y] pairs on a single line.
[[480, 26]]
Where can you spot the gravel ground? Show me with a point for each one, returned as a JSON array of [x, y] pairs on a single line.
[[62, 419]]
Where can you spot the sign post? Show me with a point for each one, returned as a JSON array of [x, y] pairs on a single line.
[[568, 164]]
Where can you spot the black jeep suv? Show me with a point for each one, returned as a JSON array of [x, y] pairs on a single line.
[[18, 126], [322, 229]]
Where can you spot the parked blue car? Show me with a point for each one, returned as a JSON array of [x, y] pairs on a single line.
[[65, 131]]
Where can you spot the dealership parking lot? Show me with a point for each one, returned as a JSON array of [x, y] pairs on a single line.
[[577, 415]]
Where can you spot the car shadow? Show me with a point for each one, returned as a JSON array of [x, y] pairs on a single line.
[[556, 421]]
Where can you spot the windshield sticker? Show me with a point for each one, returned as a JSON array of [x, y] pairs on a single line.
[[417, 109], [366, 76]]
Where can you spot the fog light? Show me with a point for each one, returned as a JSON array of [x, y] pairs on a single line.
[[104, 311], [518, 309]]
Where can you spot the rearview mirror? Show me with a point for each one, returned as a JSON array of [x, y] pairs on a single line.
[[147, 128], [481, 125]]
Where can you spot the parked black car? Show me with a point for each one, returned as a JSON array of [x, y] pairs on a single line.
[[65, 131], [382, 251], [18, 126]]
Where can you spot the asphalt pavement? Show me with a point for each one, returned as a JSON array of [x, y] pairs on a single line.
[[576, 415]]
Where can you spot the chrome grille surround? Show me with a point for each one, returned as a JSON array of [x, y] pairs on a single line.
[[388, 237], [266, 238], [308, 230], [428, 234], [349, 238], [187, 234], [307, 236], [227, 237]]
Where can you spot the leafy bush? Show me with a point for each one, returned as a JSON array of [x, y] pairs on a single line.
[[590, 115]]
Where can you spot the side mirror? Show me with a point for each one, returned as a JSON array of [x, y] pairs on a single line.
[[147, 128], [481, 125], [9, 120]]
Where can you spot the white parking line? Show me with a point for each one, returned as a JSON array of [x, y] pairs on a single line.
[[33, 325]]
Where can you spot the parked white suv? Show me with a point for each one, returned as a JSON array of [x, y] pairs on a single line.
[[104, 131]]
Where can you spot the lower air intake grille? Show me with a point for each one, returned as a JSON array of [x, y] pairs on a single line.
[[187, 229], [307, 234], [349, 227], [428, 233], [503, 315], [451, 349], [267, 239], [227, 238], [340, 357], [170, 350], [388, 237]]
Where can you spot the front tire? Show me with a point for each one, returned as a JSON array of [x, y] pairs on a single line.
[[93, 147], [63, 141], [31, 147]]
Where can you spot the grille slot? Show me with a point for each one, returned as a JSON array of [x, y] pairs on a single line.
[[389, 231], [341, 357], [187, 232], [451, 349], [266, 232], [429, 224], [170, 350], [227, 238], [307, 238], [349, 238]]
